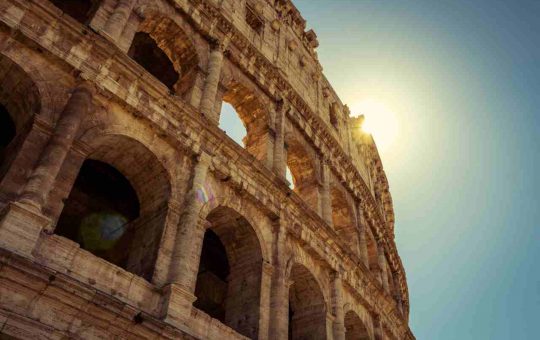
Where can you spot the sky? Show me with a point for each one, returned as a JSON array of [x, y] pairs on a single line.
[[457, 84]]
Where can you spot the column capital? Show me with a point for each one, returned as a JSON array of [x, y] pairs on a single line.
[[219, 45], [204, 158]]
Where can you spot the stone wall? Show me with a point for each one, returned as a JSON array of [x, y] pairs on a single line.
[[138, 86]]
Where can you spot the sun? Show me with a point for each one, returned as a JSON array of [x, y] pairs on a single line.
[[380, 121]]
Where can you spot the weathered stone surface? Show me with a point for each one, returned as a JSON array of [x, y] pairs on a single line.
[[127, 213]]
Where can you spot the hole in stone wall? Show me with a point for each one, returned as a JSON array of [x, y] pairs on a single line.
[[214, 269], [373, 259], [99, 212], [343, 218], [145, 51], [334, 115], [307, 309], [246, 104], [354, 327], [229, 278], [7, 133], [230, 122], [80, 10], [289, 177], [302, 173]]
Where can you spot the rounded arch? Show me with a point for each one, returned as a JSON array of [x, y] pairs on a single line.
[[372, 252], [117, 207], [80, 10], [51, 84], [166, 50], [250, 105], [304, 172], [139, 165], [343, 218], [228, 284], [19, 93], [20, 100], [105, 134], [307, 307], [231, 200], [355, 329]]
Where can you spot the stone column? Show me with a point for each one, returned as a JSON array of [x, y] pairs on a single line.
[[179, 294], [22, 222], [215, 62], [362, 238], [280, 158], [265, 303], [183, 271], [279, 300], [326, 200], [338, 326], [42, 179], [382, 266], [118, 19], [397, 293], [377, 327]]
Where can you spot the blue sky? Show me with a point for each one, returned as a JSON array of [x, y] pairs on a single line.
[[462, 79]]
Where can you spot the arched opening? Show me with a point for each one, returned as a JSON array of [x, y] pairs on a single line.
[[302, 172], [81, 10], [354, 327], [102, 204], [147, 53], [166, 52], [7, 133], [289, 177], [117, 206], [373, 255], [333, 115], [229, 278], [230, 122], [307, 309], [342, 218], [250, 111], [19, 102]]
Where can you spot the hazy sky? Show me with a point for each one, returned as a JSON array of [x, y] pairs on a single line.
[[461, 82]]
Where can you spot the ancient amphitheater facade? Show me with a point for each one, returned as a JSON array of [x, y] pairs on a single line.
[[126, 212]]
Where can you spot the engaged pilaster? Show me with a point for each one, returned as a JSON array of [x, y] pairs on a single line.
[[183, 271], [23, 221], [215, 63], [118, 19], [280, 162], [339, 321], [382, 265], [362, 239], [279, 299], [326, 202], [42, 179]]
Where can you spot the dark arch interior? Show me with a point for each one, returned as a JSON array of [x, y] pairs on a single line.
[[147, 53], [7, 132], [212, 278], [80, 10], [307, 309], [229, 278], [98, 212], [303, 173], [354, 327]]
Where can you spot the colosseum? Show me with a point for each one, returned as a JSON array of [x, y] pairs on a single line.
[[126, 210]]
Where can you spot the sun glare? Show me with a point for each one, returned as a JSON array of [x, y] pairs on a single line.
[[380, 122]]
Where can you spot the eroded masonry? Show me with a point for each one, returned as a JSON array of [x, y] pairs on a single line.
[[127, 212]]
